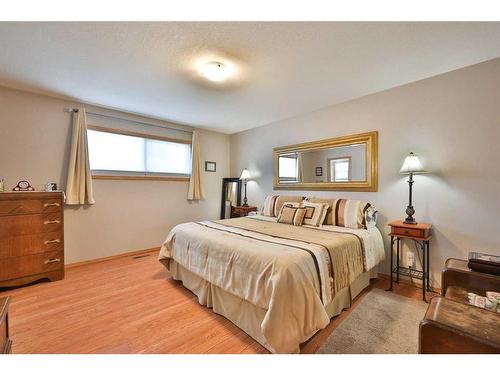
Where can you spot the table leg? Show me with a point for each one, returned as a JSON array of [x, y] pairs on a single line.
[[390, 271], [424, 270], [397, 259], [428, 268]]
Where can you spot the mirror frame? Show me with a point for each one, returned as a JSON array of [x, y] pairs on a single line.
[[225, 182], [371, 184]]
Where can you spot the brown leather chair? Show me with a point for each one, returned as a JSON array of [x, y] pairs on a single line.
[[450, 324]]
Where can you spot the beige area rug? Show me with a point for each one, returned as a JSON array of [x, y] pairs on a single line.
[[382, 323]]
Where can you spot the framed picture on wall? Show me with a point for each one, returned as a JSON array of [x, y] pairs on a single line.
[[210, 166], [319, 171]]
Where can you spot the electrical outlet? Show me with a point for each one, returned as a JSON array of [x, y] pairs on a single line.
[[410, 259]]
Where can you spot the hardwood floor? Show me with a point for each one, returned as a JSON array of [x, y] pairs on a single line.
[[128, 305]]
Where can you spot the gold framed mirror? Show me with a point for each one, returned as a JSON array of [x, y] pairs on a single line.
[[347, 163]]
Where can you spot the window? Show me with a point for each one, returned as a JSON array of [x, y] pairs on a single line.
[[339, 169], [288, 168], [120, 153]]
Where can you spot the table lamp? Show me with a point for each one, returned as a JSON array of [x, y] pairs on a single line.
[[410, 166], [245, 176]]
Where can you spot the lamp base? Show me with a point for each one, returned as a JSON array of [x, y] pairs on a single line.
[[245, 200], [410, 211], [411, 222]]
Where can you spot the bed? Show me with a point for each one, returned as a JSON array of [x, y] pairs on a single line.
[[278, 282]]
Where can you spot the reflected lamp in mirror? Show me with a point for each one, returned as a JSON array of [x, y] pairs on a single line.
[[245, 176], [410, 166], [345, 163]]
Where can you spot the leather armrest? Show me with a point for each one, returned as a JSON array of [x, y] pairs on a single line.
[[456, 273]]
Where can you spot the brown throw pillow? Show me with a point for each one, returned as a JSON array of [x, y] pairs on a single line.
[[291, 215]]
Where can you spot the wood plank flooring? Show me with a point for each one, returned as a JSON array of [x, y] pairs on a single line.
[[128, 305]]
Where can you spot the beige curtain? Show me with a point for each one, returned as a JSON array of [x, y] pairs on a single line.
[[300, 167], [79, 183], [195, 191]]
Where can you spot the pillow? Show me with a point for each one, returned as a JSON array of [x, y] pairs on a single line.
[[347, 213], [371, 216], [291, 215], [315, 213], [273, 203]]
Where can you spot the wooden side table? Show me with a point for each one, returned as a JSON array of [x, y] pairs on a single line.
[[5, 341], [240, 211], [420, 234]]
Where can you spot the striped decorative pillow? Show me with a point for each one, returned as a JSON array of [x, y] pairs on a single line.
[[291, 215], [273, 203], [347, 213], [315, 213]]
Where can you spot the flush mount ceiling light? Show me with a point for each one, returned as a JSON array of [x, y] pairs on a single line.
[[215, 71]]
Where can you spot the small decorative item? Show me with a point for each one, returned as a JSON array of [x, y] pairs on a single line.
[[410, 166], [319, 171], [50, 186], [2, 185], [210, 166], [245, 176], [23, 186]]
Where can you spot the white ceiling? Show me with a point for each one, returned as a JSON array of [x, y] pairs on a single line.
[[283, 69]]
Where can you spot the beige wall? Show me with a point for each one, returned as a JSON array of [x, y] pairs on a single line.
[[128, 215], [452, 121]]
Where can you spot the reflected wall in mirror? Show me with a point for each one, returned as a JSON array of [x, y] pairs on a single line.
[[231, 196], [344, 163]]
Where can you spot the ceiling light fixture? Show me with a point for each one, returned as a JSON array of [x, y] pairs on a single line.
[[215, 71]]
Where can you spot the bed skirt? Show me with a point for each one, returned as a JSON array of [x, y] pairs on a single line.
[[249, 317]]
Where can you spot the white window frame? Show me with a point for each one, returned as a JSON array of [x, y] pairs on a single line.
[[290, 156], [135, 175], [343, 159]]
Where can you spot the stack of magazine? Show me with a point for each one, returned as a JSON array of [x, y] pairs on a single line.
[[490, 302]]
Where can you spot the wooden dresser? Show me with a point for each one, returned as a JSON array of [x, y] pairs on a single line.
[[31, 237]]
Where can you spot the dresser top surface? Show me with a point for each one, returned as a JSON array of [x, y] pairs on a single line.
[[12, 195]]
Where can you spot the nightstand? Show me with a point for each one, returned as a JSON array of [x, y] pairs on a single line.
[[240, 211], [419, 233]]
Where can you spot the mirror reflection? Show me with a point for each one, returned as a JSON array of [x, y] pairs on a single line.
[[231, 196], [335, 164]]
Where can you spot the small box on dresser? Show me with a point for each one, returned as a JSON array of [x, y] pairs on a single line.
[[31, 237]]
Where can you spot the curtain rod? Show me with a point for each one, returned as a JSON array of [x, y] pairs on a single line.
[[123, 119]]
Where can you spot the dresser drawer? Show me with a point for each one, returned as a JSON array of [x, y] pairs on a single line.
[[29, 206], [29, 224], [12, 268], [15, 246], [412, 232]]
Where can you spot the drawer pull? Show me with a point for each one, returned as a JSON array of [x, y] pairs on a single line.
[[407, 232], [52, 241], [51, 204], [52, 222], [55, 260]]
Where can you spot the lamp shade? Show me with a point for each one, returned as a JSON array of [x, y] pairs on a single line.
[[411, 164], [245, 175]]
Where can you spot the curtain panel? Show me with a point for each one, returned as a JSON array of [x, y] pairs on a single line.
[[79, 183], [195, 191]]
